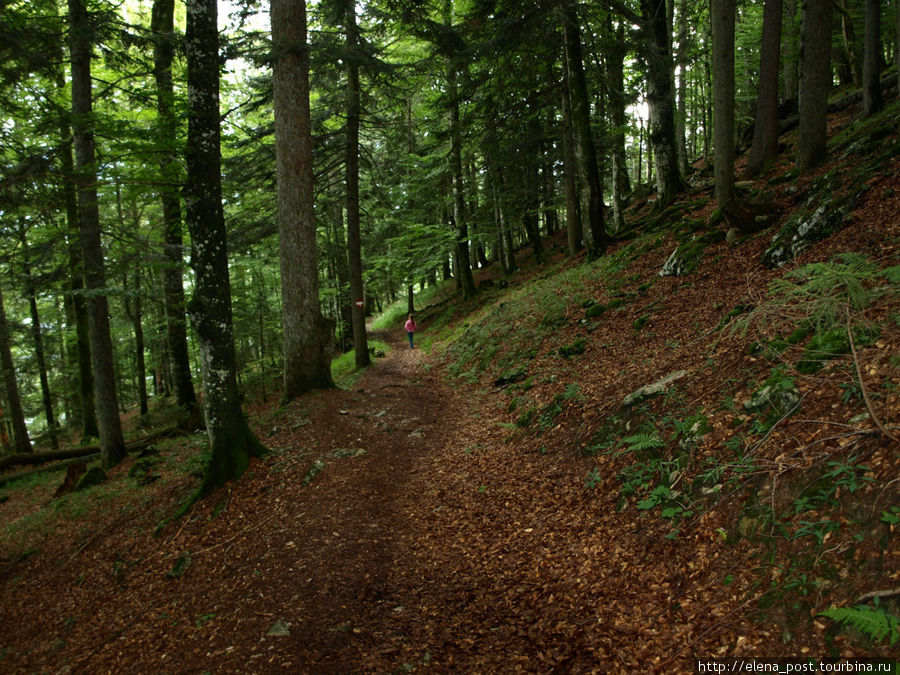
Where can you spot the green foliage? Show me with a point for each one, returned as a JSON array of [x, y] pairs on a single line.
[[873, 622], [642, 442], [820, 295], [593, 480], [578, 346]]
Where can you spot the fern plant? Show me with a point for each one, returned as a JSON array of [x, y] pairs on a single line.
[[819, 295], [648, 440], [873, 622]]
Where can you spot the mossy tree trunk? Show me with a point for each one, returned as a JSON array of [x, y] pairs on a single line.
[[232, 441]]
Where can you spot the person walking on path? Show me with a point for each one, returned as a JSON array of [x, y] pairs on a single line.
[[410, 329]]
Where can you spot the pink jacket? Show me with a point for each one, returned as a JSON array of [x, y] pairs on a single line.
[[410, 326]]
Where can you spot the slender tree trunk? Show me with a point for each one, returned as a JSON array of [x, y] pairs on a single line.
[[591, 189], [21, 442], [852, 50], [722, 20], [683, 59], [661, 100], [548, 193], [570, 171], [37, 337], [112, 444], [872, 99], [342, 265], [815, 84], [765, 131], [134, 310], [232, 442], [464, 275], [162, 24], [791, 50], [308, 336], [615, 73], [354, 244]]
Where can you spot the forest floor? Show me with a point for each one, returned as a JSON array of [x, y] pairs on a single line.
[[414, 543]]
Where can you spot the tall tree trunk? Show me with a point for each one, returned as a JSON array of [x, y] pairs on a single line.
[[342, 265], [591, 190], [815, 84], [683, 59], [354, 243], [233, 444], [21, 442], [791, 50], [162, 25], [112, 444], [37, 337], [722, 20], [615, 74], [661, 100], [134, 311], [548, 192], [308, 336], [78, 347], [872, 99], [458, 216], [765, 131], [570, 170], [852, 50]]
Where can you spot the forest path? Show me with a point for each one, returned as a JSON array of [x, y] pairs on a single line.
[[395, 526]]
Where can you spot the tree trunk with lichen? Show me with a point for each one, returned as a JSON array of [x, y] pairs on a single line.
[[232, 442]]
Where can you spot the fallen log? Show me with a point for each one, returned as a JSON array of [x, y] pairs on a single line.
[[24, 459]]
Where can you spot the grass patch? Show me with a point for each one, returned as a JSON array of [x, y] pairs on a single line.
[[343, 368]]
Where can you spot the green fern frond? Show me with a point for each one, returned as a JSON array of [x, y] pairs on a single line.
[[644, 441], [874, 623], [892, 274]]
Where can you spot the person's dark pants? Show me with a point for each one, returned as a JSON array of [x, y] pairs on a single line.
[[410, 340]]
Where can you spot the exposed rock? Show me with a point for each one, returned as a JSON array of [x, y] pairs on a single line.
[[781, 399], [654, 389], [800, 233]]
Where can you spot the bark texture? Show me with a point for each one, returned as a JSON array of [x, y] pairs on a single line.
[[722, 20], [661, 100], [112, 443], [21, 442], [815, 83], [765, 131], [307, 335], [354, 242], [162, 25], [591, 190], [230, 437], [872, 98]]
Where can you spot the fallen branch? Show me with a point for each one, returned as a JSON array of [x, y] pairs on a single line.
[[881, 595], [65, 457]]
